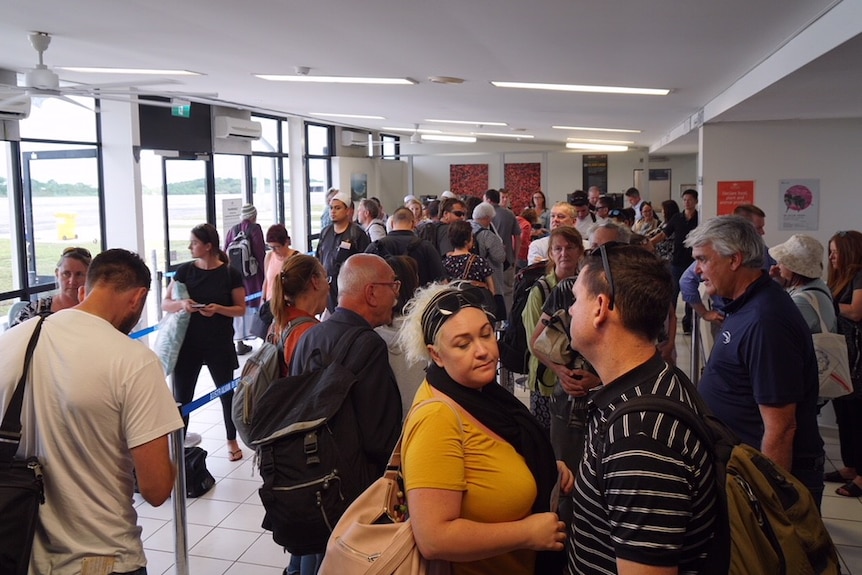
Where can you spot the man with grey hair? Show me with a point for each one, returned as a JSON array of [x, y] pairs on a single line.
[[507, 228], [761, 379], [562, 214], [608, 231], [368, 216], [490, 246], [367, 292]]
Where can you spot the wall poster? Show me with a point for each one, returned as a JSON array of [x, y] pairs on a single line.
[[521, 180], [800, 205], [468, 179], [732, 194], [358, 186]]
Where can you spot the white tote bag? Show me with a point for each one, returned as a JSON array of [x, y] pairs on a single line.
[[833, 363]]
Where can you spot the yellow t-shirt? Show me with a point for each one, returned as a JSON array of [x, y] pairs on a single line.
[[438, 453]]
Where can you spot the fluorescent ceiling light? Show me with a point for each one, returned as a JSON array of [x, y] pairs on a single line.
[[147, 71], [581, 88], [596, 141], [445, 138], [597, 129], [357, 116], [492, 135], [411, 130], [468, 122], [596, 147], [336, 79]]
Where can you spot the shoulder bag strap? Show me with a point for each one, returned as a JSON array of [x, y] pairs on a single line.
[[10, 429], [812, 299], [466, 274]]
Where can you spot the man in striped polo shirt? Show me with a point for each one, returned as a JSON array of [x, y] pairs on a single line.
[[655, 511]]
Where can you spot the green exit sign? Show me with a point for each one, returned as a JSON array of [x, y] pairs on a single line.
[[182, 111]]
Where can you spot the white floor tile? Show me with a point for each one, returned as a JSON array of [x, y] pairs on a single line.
[[210, 511], [204, 566], [165, 538], [246, 517], [852, 558], [249, 569], [841, 508], [234, 490], [221, 543], [158, 561], [265, 551], [150, 526]]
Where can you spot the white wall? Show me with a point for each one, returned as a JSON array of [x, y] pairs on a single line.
[[386, 178], [767, 152]]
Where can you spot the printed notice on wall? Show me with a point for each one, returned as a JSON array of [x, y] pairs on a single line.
[[800, 204], [733, 194]]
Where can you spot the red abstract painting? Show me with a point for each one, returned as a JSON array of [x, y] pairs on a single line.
[[468, 179], [521, 180]]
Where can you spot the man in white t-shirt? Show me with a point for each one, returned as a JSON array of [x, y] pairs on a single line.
[[96, 408], [562, 214]]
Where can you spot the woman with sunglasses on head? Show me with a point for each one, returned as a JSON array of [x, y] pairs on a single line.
[[216, 296], [565, 249], [71, 273], [479, 471], [845, 281]]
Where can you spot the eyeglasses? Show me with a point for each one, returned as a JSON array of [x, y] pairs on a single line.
[[395, 285], [602, 251], [80, 252]]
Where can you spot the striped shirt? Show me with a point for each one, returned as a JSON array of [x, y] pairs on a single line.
[[659, 502]]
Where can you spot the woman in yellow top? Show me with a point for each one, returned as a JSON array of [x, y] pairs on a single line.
[[480, 474]]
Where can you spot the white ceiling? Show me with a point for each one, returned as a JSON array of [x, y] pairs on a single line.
[[713, 55]]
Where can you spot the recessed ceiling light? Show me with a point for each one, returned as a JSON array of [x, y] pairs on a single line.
[[445, 80], [142, 71], [468, 122], [596, 147], [493, 135], [582, 88], [597, 141], [597, 129], [337, 79], [357, 116], [445, 138]]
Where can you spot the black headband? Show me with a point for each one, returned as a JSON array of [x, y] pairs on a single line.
[[448, 302]]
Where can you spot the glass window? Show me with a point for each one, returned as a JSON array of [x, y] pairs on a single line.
[[317, 140], [152, 198], [391, 147], [186, 191], [55, 119], [318, 183], [268, 141], [61, 205], [230, 192], [264, 178], [10, 277]]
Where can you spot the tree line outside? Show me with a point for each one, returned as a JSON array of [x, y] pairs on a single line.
[[53, 188]]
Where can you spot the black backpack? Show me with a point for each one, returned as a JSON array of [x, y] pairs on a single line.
[[383, 247], [514, 354], [767, 521], [428, 232], [311, 459]]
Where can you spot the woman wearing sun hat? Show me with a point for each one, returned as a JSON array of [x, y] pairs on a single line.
[[800, 265]]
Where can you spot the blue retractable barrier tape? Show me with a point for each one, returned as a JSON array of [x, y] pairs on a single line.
[[203, 400], [143, 332]]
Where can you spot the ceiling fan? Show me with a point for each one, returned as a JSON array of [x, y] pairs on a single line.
[[42, 82]]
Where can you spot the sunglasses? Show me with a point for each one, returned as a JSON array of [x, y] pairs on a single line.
[[602, 252], [457, 213], [80, 252]]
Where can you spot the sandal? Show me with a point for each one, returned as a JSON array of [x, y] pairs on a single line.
[[835, 477], [850, 489], [235, 455]]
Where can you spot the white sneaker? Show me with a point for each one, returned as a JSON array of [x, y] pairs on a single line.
[[192, 439]]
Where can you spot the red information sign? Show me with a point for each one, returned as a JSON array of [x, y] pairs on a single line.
[[733, 194]]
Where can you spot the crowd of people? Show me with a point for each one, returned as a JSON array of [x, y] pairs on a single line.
[[418, 298]]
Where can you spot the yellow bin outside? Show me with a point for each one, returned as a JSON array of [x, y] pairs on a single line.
[[67, 226]]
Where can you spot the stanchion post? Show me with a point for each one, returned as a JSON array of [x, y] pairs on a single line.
[[178, 500], [696, 342]]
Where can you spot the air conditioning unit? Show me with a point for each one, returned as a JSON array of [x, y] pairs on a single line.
[[16, 110], [350, 138], [230, 127]]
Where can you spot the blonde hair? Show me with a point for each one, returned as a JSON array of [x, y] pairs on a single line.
[[411, 338]]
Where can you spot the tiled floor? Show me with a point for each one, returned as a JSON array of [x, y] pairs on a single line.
[[225, 538]]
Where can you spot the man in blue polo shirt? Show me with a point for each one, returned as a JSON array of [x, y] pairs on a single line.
[[761, 379]]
